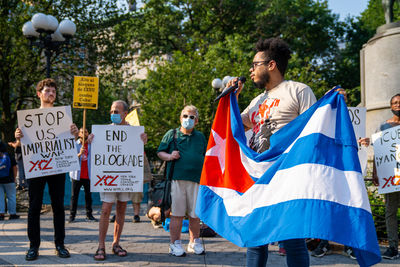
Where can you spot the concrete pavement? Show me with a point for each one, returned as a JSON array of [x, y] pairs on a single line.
[[146, 246]]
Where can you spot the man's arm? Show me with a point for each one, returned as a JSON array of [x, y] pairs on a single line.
[[18, 135], [168, 157]]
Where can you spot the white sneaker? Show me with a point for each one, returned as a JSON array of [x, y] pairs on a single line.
[[196, 247], [176, 249]]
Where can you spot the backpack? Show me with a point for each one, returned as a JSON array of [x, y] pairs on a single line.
[[5, 165]]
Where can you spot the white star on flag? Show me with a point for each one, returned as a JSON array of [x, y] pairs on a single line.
[[218, 150]]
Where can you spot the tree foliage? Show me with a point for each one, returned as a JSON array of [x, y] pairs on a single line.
[[209, 39], [93, 50]]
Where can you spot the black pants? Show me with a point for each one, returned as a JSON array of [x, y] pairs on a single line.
[[56, 184], [75, 189]]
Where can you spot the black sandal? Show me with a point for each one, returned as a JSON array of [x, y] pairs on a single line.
[[117, 250], [100, 252]]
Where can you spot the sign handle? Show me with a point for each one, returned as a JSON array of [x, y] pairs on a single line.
[[84, 127]]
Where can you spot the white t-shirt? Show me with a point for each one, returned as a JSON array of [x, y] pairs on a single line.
[[275, 108]]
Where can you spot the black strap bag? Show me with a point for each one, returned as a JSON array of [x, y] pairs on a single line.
[[161, 194]]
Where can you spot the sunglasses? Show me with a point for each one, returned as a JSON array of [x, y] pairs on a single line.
[[185, 116]]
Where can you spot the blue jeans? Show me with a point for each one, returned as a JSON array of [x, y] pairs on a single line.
[[21, 174], [9, 190], [296, 254]]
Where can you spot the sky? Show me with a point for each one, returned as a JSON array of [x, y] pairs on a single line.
[[347, 7], [341, 7]]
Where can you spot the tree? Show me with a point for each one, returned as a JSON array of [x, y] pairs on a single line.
[[94, 50], [208, 39]]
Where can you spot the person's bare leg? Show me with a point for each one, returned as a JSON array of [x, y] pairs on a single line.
[[136, 208], [119, 221], [194, 228], [175, 228], [103, 225]]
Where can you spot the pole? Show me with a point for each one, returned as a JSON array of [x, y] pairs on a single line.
[[84, 127], [48, 56]]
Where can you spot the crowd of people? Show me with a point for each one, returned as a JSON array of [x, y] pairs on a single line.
[[184, 149]]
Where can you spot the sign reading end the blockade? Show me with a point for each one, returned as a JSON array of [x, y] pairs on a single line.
[[86, 92], [48, 147], [117, 158]]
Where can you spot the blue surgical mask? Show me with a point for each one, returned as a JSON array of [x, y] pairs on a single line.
[[116, 118], [187, 123]]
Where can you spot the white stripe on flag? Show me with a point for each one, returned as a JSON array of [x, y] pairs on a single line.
[[322, 121], [306, 181]]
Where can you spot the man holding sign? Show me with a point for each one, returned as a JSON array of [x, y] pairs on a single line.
[[50, 146], [391, 184], [117, 170]]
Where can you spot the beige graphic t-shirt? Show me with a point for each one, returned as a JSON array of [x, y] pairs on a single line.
[[275, 108]]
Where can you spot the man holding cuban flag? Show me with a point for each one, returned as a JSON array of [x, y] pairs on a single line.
[[300, 177]]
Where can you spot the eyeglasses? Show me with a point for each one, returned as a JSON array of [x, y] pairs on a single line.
[[190, 116], [254, 64]]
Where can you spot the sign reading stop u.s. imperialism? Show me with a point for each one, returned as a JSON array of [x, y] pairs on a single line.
[[117, 158], [86, 92], [48, 147]]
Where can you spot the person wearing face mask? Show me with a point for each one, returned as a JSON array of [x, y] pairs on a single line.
[[81, 178], [119, 110], [392, 200], [188, 156]]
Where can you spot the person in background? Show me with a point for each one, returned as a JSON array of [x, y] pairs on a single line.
[[22, 184], [189, 157], [8, 172], [81, 178], [392, 200]]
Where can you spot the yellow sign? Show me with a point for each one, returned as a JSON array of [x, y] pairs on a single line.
[[86, 92], [132, 118]]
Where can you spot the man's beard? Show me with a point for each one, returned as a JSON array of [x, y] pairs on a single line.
[[262, 83]]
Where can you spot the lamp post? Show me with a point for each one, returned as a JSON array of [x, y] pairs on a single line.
[[45, 32]]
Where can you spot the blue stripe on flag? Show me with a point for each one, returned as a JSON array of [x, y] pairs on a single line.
[[350, 226]]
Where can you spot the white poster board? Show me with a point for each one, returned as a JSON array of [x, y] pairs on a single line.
[[387, 159], [358, 116], [48, 147], [117, 158]]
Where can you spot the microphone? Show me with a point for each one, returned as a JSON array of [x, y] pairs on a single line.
[[232, 88]]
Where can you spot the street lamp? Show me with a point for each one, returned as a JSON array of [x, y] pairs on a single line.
[[219, 85], [44, 32]]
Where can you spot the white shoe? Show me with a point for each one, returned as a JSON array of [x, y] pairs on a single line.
[[176, 249], [196, 247]]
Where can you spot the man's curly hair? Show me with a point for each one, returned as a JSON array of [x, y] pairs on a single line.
[[275, 49], [46, 82]]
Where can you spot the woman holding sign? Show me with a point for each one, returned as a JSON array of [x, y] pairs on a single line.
[[392, 200]]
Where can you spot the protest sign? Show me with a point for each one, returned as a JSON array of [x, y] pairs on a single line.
[[48, 147], [358, 116], [387, 159], [86, 92], [117, 157]]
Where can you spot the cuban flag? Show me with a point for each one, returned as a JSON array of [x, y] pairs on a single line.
[[307, 185]]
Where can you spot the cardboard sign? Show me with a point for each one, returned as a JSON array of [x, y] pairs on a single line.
[[117, 159], [358, 116], [86, 92], [387, 159], [48, 147]]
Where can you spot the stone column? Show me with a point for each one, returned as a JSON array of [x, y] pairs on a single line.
[[380, 75]]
